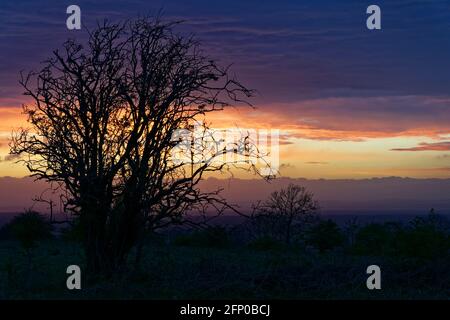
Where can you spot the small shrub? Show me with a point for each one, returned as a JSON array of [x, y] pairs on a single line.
[[375, 239], [29, 228], [425, 238], [325, 236]]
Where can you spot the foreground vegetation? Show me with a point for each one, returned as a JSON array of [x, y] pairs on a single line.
[[323, 262]]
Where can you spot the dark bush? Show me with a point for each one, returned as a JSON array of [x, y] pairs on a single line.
[[425, 238], [376, 239], [324, 236], [29, 228]]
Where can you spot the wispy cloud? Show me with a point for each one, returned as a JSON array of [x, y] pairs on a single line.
[[424, 146], [316, 162], [349, 118]]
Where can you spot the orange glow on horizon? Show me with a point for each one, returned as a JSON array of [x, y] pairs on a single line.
[[306, 149]]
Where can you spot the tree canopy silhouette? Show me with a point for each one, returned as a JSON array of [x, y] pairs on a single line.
[[103, 119], [285, 208]]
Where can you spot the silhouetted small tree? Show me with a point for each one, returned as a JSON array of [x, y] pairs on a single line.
[[285, 209], [29, 228]]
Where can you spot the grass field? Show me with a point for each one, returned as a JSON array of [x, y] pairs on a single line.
[[229, 272]]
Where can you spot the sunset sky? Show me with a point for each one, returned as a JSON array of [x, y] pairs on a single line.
[[350, 102]]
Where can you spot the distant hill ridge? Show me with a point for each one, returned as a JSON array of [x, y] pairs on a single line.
[[389, 194]]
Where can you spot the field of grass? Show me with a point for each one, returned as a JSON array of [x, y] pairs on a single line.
[[172, 271]]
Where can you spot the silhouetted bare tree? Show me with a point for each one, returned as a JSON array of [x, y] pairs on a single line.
[[103, 123], [284, 208]]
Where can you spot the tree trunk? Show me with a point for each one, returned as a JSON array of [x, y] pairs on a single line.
[[110, 234], [93, 221]]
